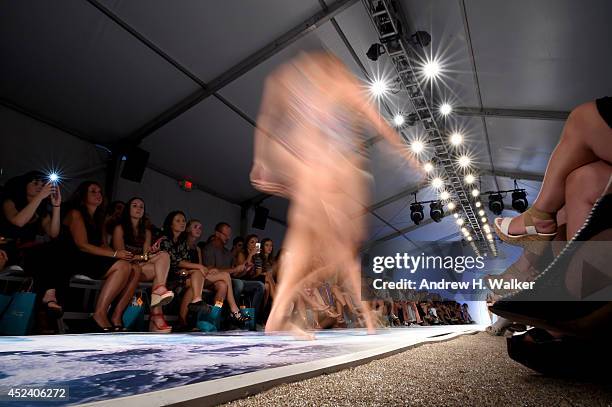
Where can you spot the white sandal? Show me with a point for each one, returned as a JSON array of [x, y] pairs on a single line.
[[503, 224]]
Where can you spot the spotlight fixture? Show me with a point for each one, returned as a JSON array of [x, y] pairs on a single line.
[[431, 69], [519, 200], [378, 87], [375, 51], [417, 146], [489, 236], [475, 192], [496, 203], [416, 213], [456, 139], [420, 38], [464, 161], [469, 179], [428, 167], [478, 204], [486, 228], [464, 230], [437, 183], [456, 215], [460, 221], [436, 212], [469, 238], [483, 219], [446, 109], [444, 195], [398, 119], [481, 212], [450, 206]]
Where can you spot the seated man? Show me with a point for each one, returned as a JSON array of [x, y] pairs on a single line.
[[216, 255]]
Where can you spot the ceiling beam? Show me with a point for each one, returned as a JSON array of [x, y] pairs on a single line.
[[526, 176], [250, 62], [511, 113]]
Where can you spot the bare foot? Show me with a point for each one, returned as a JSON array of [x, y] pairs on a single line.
[[297, 332]]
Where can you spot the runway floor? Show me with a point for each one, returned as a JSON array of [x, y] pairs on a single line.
[[99, 367]]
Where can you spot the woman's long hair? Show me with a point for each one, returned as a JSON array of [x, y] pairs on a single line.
[[16, 191], [245, 248], [78, 202], [268, 260], [129, 235], [167, 228]]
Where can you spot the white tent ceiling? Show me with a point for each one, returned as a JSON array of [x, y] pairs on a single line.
[[97, 69]]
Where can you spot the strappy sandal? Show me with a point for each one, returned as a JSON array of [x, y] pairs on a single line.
[[239, 317], [502, 224], [158, 324], [161, 299]]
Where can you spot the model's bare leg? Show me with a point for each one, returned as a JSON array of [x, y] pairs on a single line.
[[585, 139], [583, 187]]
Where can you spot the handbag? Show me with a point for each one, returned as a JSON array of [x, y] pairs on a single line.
[[17, 316], [134, 315]]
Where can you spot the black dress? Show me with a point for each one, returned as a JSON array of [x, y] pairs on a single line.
[[91, 265]]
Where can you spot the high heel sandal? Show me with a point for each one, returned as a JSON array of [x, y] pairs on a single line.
[[158, 324], [565, 312], [502, 224], [97, 328], [53, 312], [161, 299]]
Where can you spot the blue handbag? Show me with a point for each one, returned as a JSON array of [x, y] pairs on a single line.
[[134, 315], [17, 318]]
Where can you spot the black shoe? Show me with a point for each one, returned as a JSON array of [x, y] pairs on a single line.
[[53, 312], [95, 328]]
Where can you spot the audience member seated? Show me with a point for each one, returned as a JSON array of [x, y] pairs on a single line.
[[175, 243], [247, 257], [218, 256], [132, 234], [31, 219], [220, 281], [237, 247], [88, 253], [268, 268]]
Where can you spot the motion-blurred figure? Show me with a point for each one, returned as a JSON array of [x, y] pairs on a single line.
[[309, 148]]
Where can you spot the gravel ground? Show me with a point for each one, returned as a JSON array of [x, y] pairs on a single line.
[[472, 370]]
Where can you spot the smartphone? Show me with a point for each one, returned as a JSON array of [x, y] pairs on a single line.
[[257, 247]]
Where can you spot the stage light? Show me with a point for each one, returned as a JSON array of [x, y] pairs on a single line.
[[444, 195], [483, 219], [428, 167], [431, 69], [464, 161], [478, 204], [469, 238], [460, 222], [436, 212], [496, 203], [417, 146], [186, 185], [446, 109], [519, 200], [456, 215], [489, 236], [475, 192], [378, 87], [481, 212], [398, 119], [469, 179], [464, 230], [450, 206], [375, 51], [456, 139], [486, 228], [416, 213], [437, 183]]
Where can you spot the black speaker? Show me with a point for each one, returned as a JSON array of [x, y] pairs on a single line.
[[261, 217], [135, 164]]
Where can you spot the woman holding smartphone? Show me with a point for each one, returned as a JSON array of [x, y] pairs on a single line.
[[31, 218]]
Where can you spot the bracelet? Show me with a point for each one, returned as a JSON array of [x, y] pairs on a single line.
[[115, 254]]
